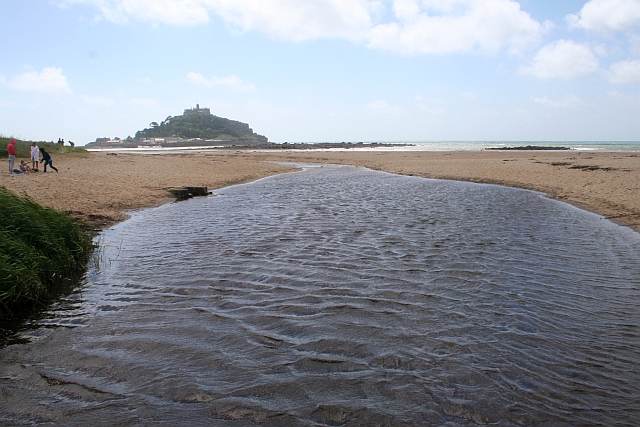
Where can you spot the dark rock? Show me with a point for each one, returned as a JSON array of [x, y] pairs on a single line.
[[531, 148], [197, 191], [180, 193], [183, 193]]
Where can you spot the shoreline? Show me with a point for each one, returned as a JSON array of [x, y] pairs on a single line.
[[99, 188]]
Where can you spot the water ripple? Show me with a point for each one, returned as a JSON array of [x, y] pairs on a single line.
[[342, 296]]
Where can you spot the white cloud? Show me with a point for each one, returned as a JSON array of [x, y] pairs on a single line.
[[607, 15], [377, 105], [287, 19], [49, 80], [563, 59], [234, 82], [406, 26], [569, 101], [299, 20], [380, 106], [624, 72], [173, 12], [456, 26], [97, 101]]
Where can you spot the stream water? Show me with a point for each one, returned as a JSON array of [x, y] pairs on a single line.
[[342, 296]]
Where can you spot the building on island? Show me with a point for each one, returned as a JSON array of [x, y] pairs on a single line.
[[197, 110], [105, 140]]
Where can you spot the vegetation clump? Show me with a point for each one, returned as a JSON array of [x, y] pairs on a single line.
[[40, 249], [23, 148]]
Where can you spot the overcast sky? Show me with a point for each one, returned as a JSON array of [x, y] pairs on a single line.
[[324, 70]]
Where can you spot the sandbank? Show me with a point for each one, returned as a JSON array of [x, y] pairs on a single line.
[[98, 188]]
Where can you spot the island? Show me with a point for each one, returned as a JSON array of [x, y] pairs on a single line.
[[196, 127]]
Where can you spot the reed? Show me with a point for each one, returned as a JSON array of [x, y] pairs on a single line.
[[40, 249]]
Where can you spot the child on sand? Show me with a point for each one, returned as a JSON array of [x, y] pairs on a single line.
[[35, 156], [46, 158], [24, 167]]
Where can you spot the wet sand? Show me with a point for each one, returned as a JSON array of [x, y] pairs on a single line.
[[99, 188]]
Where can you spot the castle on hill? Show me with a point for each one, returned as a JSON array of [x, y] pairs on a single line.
[[197, 110]]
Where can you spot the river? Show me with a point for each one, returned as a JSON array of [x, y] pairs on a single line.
[[343, 296]]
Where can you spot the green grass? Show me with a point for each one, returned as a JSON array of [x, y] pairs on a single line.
[[40, 249], [23, 148]]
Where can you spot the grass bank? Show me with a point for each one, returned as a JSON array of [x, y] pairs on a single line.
[[23, 148], [40, 249]]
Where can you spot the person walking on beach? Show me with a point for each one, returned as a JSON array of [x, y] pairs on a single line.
[[35, 156], [46, 158], [11, 150]]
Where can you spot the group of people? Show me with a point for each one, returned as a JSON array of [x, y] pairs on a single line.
[[24, 167], [61, 142]]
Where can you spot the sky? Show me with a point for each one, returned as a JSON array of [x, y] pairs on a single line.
[[324, 70]]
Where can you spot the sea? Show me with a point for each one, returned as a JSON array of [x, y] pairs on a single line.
[[484, 145], [435, 146], [341, 296]]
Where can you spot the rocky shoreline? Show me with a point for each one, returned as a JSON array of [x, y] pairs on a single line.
[[320, 145], [530, 148], [247, 144]]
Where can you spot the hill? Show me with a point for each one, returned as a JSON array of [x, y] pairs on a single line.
[[197, 126]]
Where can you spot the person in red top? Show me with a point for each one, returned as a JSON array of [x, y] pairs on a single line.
[[11, 149]]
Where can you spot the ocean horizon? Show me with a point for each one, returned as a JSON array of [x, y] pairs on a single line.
[[596, 146], [484, 145]]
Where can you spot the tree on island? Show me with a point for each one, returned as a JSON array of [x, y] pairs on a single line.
[[199, 123]]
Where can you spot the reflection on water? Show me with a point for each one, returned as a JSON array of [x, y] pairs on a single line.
[[342, 296]]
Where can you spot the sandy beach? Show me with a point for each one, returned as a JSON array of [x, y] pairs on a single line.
[[98, 188]]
